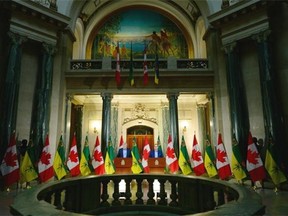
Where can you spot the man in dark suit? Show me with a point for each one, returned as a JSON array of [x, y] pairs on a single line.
[[124, 152], [156, 152]]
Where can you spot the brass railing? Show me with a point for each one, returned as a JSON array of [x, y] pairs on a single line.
[[149, 193]]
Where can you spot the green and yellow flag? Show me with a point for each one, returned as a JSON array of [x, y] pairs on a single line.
[[271, 165], [27, 169], [131, 73], [59, 161], [209, 160], [85, 159], [136, 161], [184, 161], [109, 158], [236, 162]]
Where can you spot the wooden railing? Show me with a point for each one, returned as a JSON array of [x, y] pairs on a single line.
[[161, 193]]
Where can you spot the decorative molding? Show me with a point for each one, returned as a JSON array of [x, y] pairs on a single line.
[[140, 112]]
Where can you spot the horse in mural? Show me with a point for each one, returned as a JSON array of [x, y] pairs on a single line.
[[160, 43]]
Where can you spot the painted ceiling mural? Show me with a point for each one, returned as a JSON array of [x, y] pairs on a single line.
[[136, 30]]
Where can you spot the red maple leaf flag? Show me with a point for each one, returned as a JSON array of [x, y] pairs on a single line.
[[73, 163], [45, 164], [197, 159], [10, 164], [254, 163], [145, 156], [117, 75], [171, 159], [97, 159], [121, 143], [222, 163]]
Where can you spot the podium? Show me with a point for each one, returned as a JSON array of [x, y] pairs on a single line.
[[123, 165]]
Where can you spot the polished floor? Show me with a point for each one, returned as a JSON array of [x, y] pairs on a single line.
[[276, 202]]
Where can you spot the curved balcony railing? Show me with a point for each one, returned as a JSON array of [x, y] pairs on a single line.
[[130, 194]]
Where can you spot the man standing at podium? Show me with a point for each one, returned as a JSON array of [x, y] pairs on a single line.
[[156, 152], [124, 152]]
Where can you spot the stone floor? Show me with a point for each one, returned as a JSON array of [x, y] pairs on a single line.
[[276, 202]]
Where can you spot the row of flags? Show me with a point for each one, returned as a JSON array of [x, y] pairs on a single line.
[[45, 169], [221, 166], [131, 72]]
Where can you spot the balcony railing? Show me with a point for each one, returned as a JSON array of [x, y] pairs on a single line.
[[128, 194], [108, 63]]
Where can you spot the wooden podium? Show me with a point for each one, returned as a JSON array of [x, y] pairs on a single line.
[[123, 165]]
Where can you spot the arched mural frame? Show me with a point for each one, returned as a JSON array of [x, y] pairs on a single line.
[[187, 35]]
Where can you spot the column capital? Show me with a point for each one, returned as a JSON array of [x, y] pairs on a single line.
[[262, 36], [49, 48], [228, 48], [16, 38], [106, 95], [172, 95]]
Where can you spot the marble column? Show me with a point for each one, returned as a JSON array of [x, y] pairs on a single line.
[[42, 100], [11, 88], [114, 125], [106, 120], [237, 96], [201, 113], [165, 123], [174, 124], [273, 117]]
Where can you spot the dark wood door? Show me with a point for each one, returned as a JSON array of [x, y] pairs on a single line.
[[140, 140]]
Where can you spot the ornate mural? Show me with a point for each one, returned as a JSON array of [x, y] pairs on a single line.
[[136, 31]]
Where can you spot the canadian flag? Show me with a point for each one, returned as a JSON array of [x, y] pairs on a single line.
[[117, 74], [145, 156], [222, 163], [197, 159], [254, 163], [121, 143], [45, 164], [171, 159], [10, 164], [97, 159], [73, 159]]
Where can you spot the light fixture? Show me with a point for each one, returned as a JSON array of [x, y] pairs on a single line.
[[184, 128], [94, 126]]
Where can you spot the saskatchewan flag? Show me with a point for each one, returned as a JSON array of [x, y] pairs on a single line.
[[58, 164], [237, 161], [27, 169], [271, 165], [136, 162], [109, 158], [209, 160], [85, 159], [184, 161], [131, 73]]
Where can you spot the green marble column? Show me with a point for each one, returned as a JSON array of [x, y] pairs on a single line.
[[106, 120], [11, 88], [273, 117], [237, 97], [42, 99], [165, 122], [174, 124], [114, 125]]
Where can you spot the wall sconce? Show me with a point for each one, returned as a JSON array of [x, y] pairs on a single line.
[[95, 126], [184, 126], [184, 129]]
